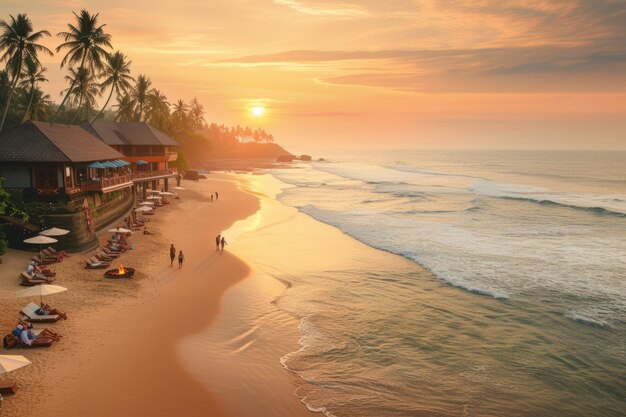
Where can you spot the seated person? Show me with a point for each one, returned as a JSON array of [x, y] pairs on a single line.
[[27, 338], [35, 272], [146, 232], [24, 325], [46, 310]]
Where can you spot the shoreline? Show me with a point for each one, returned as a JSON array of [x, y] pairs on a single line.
[[101, 366]]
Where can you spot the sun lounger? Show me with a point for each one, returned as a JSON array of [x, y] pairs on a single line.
[[30, 314], [29, 281], [58, 252], [93, 263], [103, 257], [43, 261], [8, 386]]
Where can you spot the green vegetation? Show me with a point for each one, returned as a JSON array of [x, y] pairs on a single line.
[[94, 71]]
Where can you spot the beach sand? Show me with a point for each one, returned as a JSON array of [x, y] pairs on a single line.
[[121, 351]]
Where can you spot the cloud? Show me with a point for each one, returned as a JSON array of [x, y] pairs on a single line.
[[336, 9]]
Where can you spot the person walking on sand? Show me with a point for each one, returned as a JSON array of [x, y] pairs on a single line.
[[211, 197], [223, 242], [172, 254], [217, 242], [217, 196], [181, 258]]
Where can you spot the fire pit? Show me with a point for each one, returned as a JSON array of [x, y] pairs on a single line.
[[121, 272]]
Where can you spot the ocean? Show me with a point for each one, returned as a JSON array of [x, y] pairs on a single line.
[[504, 294]]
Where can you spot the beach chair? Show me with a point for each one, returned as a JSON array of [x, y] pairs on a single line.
[[43, 261], [30, 315], [103, 257], [29, 281], [58, 252], [93, 263], [8, 387]]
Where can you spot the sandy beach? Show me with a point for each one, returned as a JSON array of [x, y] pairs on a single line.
[[119, 352]]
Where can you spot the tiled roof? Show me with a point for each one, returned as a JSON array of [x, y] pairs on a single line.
[[130, 133], [40, 142]]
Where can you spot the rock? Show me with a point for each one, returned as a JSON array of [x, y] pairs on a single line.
[[285, 158], [305, 157]]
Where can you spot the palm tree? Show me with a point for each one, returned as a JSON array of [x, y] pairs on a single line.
[[157, 107], [117, 76], [125, 108], [31, 75], [19, 43], [180, 110], [139, 95], [84, 88], [39, 105], [86, 42]]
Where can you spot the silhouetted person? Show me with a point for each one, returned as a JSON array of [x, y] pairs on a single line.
[[172, 254], [181, 258], [217, 242], [217, 196], [211, 197], [223, 242]]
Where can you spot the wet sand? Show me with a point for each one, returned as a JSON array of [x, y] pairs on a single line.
[[120, 352]]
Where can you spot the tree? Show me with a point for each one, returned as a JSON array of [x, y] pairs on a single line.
[[158, 108], [39, 106], [125, 108], [116, 75], [139, 95], [31, 75], [19, 43], [83, 88], [85, 41]]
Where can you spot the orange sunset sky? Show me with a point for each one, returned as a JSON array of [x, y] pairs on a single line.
[[392, 73]]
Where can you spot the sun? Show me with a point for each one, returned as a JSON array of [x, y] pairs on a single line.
[[257, 111]]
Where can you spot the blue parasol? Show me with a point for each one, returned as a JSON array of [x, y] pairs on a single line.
[[141, 162], [96, 165]]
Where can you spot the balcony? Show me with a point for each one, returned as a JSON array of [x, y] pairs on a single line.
[[142, 176], [103, 185]]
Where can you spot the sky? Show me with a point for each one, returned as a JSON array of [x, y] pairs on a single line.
[[511, 74]]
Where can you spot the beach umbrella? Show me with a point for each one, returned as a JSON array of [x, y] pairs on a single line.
[[119, 230], [109, 164], [166, 193], [40, 240], [141, 162], [41, 290], [10, 363], [117, 163], [143, 208], [55, 231], [96, 165]]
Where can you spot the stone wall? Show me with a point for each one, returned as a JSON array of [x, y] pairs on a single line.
[[81, 238]]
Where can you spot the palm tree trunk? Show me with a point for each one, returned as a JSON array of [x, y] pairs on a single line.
[[80, 103], [105, 104], [8, 102], [30, 103], [68, 93]]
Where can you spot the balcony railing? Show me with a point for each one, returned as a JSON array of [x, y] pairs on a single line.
[[149, 153], [142, 175], [103, 183]]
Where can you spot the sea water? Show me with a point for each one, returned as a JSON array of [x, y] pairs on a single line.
[[504, 293]]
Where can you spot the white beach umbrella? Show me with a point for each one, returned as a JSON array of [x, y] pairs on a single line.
[[40, 240], [146, 203], [10, 363], [55, 231], [179, 188], [154, 197], [143, 208], [41, 290], [119, 230], [166, 193]]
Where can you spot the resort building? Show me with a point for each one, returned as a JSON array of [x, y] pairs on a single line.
[[149, 150]]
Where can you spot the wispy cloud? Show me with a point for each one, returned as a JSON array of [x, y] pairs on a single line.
[[332, 9]]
